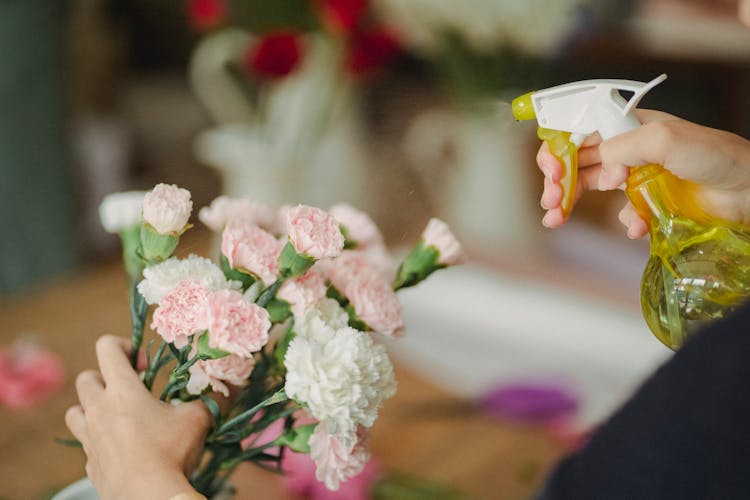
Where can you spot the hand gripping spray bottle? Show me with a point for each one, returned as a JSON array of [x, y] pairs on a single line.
[[699, 267]]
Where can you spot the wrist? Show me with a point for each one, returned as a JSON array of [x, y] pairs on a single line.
[[157, 484]]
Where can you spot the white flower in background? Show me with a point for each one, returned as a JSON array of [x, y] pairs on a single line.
[[167, 208], [225, 209], [532, 26], [161, 278], [120, 211], [340, 374], [338, 457], [360, 228]]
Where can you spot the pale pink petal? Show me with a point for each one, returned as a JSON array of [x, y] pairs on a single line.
[[438, 235], [236, 325], [167, 208], [249, 248], [181, 313], [314, 232]]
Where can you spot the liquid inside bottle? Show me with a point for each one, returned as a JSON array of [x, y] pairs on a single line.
[[699, 267]]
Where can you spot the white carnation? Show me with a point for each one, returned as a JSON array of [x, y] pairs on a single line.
[[120, 211], [320, 321], [340, 374], [161, 278]]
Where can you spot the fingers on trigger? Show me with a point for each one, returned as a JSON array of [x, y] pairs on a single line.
[[552, 194], [553, 218], [637, 227], [612, 177]]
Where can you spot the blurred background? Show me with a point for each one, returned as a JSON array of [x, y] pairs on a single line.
[[395, 106], [399, 107]]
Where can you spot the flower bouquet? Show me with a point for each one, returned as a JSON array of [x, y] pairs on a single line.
[[284, 326]]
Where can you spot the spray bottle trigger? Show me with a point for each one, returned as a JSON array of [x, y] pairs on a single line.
[[641, 91]]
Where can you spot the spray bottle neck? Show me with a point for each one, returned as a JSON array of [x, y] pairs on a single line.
[[659, 197]]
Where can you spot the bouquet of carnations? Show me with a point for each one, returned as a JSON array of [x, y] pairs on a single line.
[[284, 327]]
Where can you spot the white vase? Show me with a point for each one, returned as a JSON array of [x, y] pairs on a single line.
[[82, 489], [303, 142], [478, 172]]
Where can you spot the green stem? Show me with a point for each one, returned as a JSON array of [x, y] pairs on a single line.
[[138, 311], [176, 378], [266, 295], [248, 454], [156, 364], [243, 417]]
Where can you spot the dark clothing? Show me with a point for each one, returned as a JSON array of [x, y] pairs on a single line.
[[684, 435]]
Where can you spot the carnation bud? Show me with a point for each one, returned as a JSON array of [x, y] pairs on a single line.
[[437, 248], [167, 209]]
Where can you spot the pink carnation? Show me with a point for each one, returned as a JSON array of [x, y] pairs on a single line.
[[438, 235], [376, 304], [314, 232], [236, 325], [251, 249], [303, 292], [350, 266], [181, 313], [28, 374], [338, 458], [232, 369], [360, 228], [279, 223], [225, 209], [299, 480], [167, 208]]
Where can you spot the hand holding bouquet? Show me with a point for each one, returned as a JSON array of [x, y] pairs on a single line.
[[285, 325]]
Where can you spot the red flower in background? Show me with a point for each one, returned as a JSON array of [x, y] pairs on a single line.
[[275, 55], [206, 15], [370, 50], [343, 16]]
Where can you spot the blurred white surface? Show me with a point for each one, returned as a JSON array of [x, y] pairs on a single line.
[[469, 328]]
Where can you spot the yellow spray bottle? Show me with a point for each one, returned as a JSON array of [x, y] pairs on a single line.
[[699, 267]]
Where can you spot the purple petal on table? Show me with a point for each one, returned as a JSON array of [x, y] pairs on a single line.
[[529, 402]]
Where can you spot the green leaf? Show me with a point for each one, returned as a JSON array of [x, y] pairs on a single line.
[[354, 321], [213, 407], [72, 443], [349, 244], [205, 349], [157, 247], [281, 348], [420, 263], [334, 294], [293, 264], [233, 274], [279, 310], [131, 252], [296, 439]]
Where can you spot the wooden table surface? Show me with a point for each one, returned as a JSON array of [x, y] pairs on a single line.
[[423, 431]]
